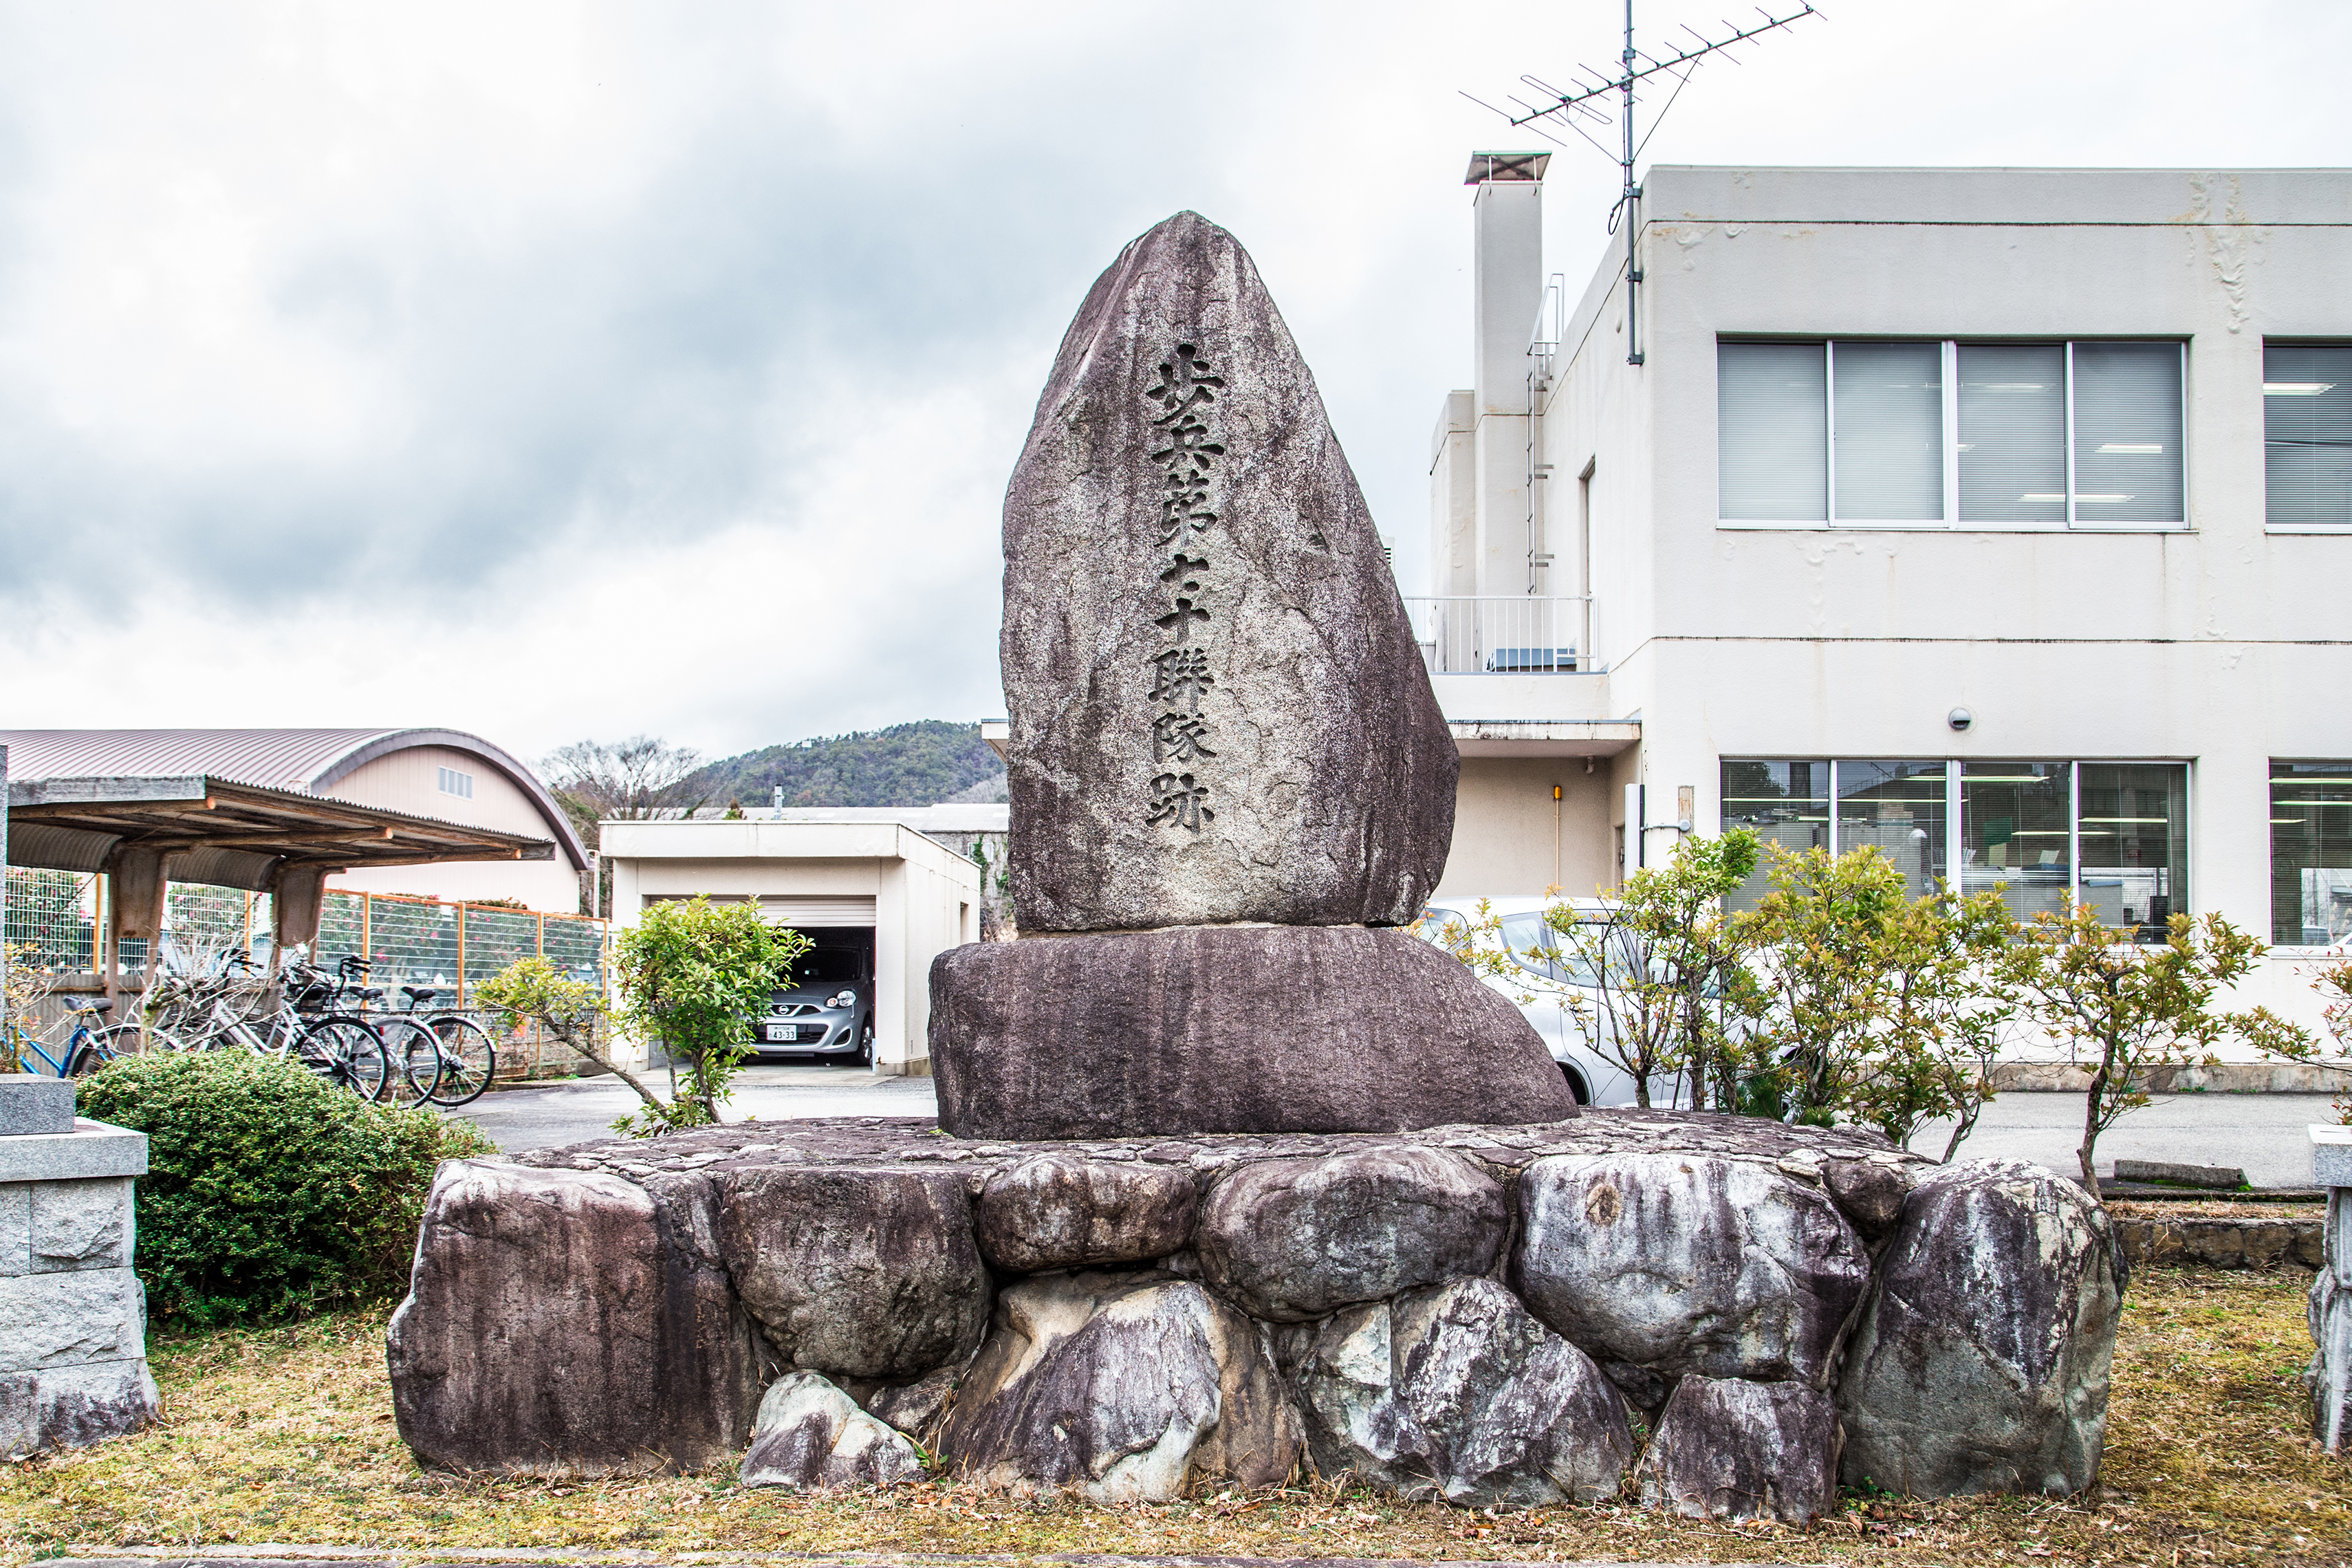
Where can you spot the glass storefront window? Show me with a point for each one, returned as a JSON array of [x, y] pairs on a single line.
[[1898, 808], [2015, 833], [1786, 803], [2134, 828], [2311, 853]]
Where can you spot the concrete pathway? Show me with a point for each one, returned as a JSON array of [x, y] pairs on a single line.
[[2262, 1134]]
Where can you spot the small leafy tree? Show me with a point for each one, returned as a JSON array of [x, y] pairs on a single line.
[[2334, 983], [1947, 1015], [532, 990], [2130, 1009], [693, 975], [1826, 972], [1662, 963]]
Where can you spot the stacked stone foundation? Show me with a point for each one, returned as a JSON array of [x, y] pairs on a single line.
[[1483, 1314], [73, 1318]]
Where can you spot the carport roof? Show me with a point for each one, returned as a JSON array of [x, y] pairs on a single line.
[[231, 833]]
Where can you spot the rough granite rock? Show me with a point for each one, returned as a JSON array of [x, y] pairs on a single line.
[[571, 1310], [562, 1321], [1725, 1449], [1066, 1210], [1672, 1264], [864, 1273], [811, 1435], [1228, 1029], [1195, 600], [1288, 1240], [1454, 1392], [1125, 1386], [1980, 1362], [68, 1407]]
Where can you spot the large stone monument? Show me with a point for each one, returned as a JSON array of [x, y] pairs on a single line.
[[73, 1319], [1229, 775], [1247, 1183]]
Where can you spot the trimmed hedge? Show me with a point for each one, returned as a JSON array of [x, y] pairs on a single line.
[[270, 1193]]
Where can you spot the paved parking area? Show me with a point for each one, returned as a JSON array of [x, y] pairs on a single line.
[[2262, 1134], [522, 1118]]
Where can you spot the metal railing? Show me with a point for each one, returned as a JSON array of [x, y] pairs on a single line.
[[1519, 635]]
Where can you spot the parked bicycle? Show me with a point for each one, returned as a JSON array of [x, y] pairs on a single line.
[[300, 1022], [89, 1045], [412, 1047]]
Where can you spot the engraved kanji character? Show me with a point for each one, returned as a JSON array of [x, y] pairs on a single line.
[[1177, 801], [1179, 735], [1184, 500], [1184, 383], [1181, 674], [1189, 447]]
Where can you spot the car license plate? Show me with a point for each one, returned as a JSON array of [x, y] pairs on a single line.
[[780, 1034]]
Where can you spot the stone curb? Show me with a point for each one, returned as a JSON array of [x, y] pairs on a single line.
[[2228, 1077], [2221, 1242]]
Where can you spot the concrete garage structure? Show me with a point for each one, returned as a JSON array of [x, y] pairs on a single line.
[[849, 876], [1999, 518]]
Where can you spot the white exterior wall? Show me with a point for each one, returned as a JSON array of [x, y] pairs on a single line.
[[2222, 644], [408, 781], [926, 897]]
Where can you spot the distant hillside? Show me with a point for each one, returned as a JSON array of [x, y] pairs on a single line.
[[920, 764]]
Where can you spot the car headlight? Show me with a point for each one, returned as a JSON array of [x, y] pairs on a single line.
[[842, 999]]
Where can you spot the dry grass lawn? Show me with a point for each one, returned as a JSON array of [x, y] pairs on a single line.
[[285, 1435]]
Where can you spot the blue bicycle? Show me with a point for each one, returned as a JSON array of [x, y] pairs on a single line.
[[90, 1046]]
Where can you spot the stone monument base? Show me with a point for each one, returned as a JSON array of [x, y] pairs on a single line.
[[73, 1319], [1228, 1029], [1485, 1315]]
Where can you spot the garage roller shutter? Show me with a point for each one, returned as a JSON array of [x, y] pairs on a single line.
[[805, 909]]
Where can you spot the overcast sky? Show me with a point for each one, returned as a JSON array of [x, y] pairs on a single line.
[[553, 371]]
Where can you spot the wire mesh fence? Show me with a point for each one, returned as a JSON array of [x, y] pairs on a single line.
[[56, 922]]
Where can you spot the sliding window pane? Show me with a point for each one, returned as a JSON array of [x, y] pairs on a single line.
[[2135, 837], [2127, 432], [1898, 808], [1786, 803], [1890, 431], [2012, 432], [2014, 833], [2310, 853], [1772, 432], [2308, 432]]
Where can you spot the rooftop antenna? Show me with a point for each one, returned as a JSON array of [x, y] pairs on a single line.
[[1575, 103]]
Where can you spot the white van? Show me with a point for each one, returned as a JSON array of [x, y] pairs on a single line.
[[1525, 934]]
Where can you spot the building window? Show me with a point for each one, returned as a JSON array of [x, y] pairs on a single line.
[[1786, 803], [2112, 836], [456, 783], [1872, 434], [2311, 853], [2307, 434]]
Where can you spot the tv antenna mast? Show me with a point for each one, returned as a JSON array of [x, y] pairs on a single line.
[[1572, 107]]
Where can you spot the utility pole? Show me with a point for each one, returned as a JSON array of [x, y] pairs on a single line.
[[1574, 103]]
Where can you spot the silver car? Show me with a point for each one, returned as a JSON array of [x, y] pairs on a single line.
[[1527, 936], [827, 1012]]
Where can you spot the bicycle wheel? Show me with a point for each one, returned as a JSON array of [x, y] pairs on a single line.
[[468, 1060], [347, 1053], [417, 1067]]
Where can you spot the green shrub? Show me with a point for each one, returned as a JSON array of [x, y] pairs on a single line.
[[270, 1193]]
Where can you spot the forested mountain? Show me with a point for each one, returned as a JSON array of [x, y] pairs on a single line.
[[920, 764]]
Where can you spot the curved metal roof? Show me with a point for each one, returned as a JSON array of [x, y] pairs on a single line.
[[309, 761]]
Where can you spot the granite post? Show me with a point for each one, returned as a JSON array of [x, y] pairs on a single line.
[[1229, 777], [73, 1318], [2331, 1292]]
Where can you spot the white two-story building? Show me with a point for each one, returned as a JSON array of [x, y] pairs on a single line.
[[2000, 518]]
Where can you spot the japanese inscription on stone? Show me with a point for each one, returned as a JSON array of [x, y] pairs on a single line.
[[1187, 452]]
